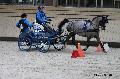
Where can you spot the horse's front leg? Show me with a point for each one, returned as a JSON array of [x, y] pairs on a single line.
[[99, 42], [88, 43]]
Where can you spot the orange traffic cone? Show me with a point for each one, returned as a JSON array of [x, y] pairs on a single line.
[[80, 51], [75, 54], [99, 48]]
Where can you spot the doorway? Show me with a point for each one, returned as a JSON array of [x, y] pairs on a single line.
[[90, 3]]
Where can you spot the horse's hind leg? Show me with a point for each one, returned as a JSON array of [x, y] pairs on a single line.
[[68, 37], [73, 38], [71, 34], [88, 43]]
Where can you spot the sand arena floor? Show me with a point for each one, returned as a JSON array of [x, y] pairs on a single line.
[[15, 64]]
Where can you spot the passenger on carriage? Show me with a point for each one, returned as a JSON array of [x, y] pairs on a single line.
[[23, 23], [37, 28], [42, 19]]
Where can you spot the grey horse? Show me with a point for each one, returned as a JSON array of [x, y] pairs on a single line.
[[85, 28]]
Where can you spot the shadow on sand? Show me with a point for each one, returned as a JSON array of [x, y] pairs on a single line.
[[93, 43]]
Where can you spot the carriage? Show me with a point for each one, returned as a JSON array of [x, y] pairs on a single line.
[[41, 39]]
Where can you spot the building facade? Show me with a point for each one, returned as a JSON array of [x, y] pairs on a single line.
[[85, 3], [76, 3]]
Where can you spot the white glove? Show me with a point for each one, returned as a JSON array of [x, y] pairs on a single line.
[[21, 27], [106, 47]]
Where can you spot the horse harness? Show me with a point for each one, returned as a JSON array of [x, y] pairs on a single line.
[[91, 24]]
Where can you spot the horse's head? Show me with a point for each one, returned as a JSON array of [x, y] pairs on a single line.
[[103, 21], [62, 23]]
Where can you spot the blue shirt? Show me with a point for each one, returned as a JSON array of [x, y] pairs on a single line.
[[41, 17], [26, 22]]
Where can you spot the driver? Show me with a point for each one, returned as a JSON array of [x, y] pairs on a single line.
[[42, 19]]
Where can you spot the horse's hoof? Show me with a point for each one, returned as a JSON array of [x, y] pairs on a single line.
[[104, 51], [84, 49]]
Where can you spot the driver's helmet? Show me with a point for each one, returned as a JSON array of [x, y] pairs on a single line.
[[40, 7]]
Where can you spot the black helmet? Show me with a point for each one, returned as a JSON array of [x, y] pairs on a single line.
[[40, 7], [23, 15]]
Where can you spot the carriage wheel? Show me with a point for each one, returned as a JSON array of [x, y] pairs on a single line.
[[60, 43], [24, 44], [43, 46]]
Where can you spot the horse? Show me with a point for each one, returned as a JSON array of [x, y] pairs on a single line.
[[78, 28]]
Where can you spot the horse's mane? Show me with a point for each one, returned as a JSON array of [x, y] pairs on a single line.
[[97, 17], [94, 18], [62, 23]]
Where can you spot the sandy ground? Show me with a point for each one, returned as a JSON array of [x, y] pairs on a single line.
[[15, 64], [57, 64]]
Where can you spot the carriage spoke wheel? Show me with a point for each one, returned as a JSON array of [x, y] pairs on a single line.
[[43, 46], [24, 44], [60, 43]]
